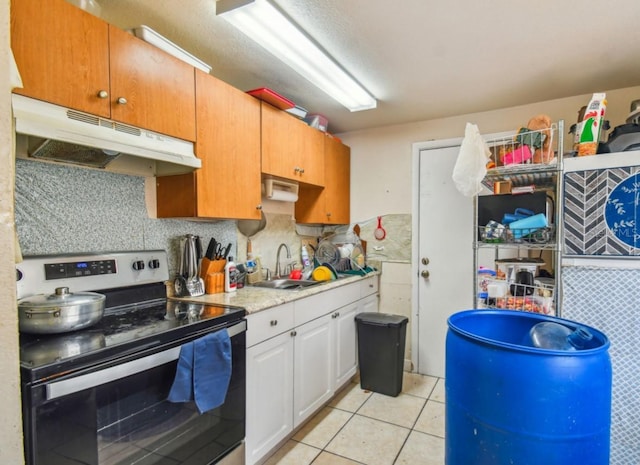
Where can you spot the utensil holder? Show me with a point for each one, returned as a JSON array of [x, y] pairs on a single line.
[[254, 277], [214, 283], [212, 271]]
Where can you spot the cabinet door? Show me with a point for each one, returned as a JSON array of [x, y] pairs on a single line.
[[313, 367], [346, 361], [228, 143], [159, 89], [62, 54], [330, 205], [337, 181], [369, 304], [269, 395], [290, 148], [311, 153]]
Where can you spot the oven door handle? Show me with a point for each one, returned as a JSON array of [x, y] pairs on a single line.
[[65, 387]]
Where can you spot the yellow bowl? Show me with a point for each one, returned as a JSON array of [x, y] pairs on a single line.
[[322, 273]]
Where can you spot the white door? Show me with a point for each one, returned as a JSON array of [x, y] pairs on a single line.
[[269, 395], [313, 372], [443, 248]]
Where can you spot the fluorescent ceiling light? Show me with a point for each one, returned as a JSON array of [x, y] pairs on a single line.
[[269, 27]]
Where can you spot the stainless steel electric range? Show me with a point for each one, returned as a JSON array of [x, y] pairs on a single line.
[[98, 396]]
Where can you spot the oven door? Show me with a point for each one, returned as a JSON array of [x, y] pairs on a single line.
[[117, 414]]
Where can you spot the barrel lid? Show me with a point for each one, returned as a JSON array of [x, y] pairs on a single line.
[[381, 319]]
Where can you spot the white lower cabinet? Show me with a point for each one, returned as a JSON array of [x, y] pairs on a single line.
[[269, 395], [369, 304], [299, 354], [346, 361], [312, 367]]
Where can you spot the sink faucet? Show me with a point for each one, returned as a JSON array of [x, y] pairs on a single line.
[[278, 271]]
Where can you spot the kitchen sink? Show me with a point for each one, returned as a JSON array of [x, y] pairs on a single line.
[[288, 284]]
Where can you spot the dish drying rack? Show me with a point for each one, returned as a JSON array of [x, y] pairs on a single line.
[[351, 261]]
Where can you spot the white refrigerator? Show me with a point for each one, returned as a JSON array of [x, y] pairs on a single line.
[[601, 276]]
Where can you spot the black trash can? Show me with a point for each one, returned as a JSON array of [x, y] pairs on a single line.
[[381, 339]]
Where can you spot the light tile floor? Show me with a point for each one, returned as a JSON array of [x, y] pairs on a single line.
[[364, 428]]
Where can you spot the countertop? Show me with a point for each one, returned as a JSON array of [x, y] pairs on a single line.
[[254, 299]]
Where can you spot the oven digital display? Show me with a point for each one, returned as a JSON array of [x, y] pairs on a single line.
[[78, 269]]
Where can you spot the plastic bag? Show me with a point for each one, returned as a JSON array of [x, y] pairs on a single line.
[[471, 165]]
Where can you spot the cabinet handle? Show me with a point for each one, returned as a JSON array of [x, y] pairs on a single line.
[[371, 286], [103, 94], [296, 169], [301, 170], [273, 322], [335, 315], [328, 214], [259, 207], [294, 333], [122, 100]]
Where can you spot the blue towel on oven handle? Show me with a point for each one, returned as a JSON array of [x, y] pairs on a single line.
[[203, 372]]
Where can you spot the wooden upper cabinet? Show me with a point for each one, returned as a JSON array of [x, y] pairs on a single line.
[[290, 148], [330, 205], [71, 58], [158, 89], [228, 143], [62, 54], [337, 181]]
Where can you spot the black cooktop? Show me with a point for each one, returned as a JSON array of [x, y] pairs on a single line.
[[119, 333]]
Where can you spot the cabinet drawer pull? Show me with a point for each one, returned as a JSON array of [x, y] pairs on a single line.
[[273, 322], [103, 94], [122, 100]]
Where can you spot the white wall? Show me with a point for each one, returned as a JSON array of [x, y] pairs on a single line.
[[11, 425]]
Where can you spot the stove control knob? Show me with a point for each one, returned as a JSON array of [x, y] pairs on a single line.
[[154, 264], [138, 265]]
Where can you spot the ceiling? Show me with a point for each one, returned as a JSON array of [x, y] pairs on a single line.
[[421, 59]]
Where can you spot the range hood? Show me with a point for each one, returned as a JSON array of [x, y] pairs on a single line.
[[53, 133]]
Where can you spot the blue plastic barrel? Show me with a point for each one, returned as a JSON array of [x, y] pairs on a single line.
[[508, 402]]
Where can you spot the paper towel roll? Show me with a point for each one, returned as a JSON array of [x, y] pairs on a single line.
[[283, 196]]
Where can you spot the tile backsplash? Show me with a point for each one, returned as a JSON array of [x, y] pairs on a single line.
[[63, 209], [66, 209]]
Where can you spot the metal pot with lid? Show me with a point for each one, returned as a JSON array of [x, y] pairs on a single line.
[[59, 312]]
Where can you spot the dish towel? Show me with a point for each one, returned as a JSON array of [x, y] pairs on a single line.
[[203, 372]]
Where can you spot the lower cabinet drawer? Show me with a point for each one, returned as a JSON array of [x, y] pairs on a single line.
[[269, 323], [369, 286]]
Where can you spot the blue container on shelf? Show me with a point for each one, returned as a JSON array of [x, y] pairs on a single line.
[[508, 402], [528, 225]]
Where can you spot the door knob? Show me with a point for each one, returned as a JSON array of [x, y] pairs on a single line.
[[425, 274]]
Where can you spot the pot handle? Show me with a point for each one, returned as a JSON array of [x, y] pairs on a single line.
[[54, 311]]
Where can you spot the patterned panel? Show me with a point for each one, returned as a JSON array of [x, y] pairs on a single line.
[[585, 197], [609, 299]]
